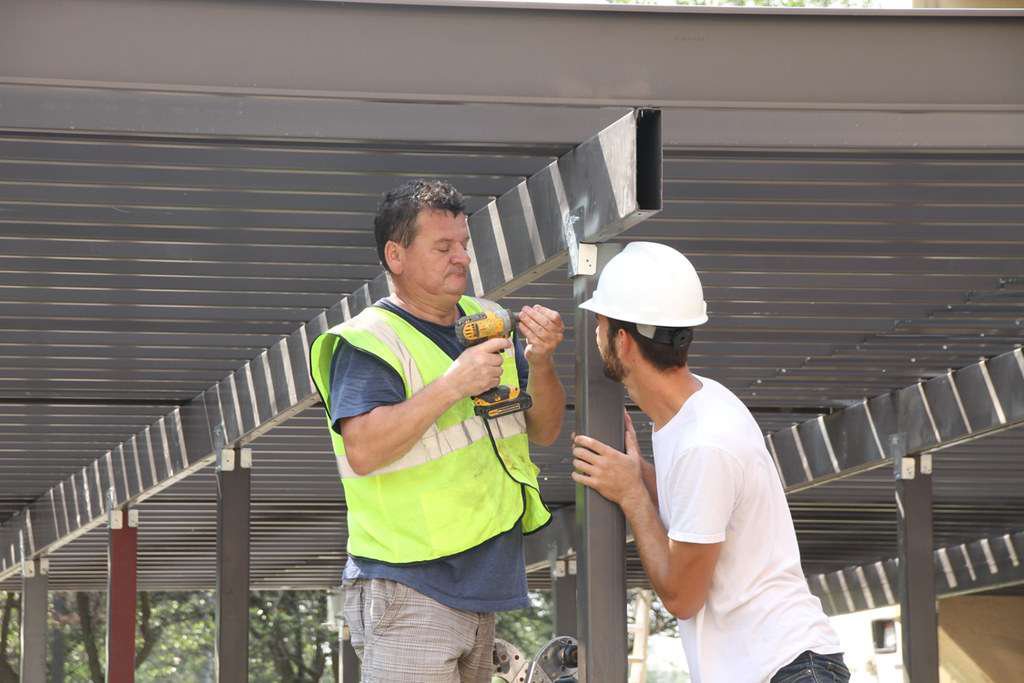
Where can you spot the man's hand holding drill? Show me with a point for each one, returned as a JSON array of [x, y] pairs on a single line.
[[478, 368]]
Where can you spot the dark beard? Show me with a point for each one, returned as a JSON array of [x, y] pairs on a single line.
[[613, 369]]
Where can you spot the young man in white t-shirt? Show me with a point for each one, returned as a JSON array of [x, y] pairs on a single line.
[[710, 517]]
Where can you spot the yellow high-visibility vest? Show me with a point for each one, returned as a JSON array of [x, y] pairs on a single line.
[[452, 491]]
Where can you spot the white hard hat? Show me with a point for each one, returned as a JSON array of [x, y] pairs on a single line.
[[652, 285]]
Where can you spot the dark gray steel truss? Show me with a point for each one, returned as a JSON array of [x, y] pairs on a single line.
[[978, 565], [979, 399], [598, 189]]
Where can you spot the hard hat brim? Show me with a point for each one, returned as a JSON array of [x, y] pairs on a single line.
[[594, 305]]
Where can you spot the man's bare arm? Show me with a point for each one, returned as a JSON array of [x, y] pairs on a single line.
[[544, 419], [376, 439], [386, 433], [679, 572], [543, 330], [647, 471], [650, 478]]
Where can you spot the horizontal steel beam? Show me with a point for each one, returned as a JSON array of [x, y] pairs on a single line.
[[519, 55], [594, 192], [979, 565], [49, 108], [979, 399], [130, 112], [56, 77]]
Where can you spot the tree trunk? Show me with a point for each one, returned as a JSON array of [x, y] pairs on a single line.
[[85, 614], [150, 636]]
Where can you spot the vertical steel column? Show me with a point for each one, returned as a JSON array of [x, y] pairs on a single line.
[[347, 659], [234, 467], [34, 608], [563, 596], [601, 527], [122, 584], [918, 613]]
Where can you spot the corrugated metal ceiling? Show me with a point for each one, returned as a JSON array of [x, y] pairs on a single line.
[[136, 272]]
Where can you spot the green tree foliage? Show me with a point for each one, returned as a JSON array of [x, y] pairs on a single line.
[[288, 642], [176, 631], [528, 629], [10, 642], [174, 642]]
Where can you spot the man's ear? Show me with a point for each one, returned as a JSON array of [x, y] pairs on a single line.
[[393, 254], [625, 343]]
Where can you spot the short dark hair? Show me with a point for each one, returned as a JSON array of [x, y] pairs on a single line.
[[399, 208], [660, 355]]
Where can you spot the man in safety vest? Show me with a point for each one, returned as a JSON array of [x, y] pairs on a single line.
[[438, 498], [709, 517]]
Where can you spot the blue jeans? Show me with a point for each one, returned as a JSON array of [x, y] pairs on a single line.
[[810, 667]]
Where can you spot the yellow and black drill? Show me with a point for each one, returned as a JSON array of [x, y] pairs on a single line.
[[475, 329]]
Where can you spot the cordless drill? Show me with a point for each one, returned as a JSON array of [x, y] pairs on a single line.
[[479, 327]]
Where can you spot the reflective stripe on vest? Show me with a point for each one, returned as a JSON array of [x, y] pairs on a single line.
[[451, 491]]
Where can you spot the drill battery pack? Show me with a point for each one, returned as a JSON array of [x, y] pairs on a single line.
[[501, 400]]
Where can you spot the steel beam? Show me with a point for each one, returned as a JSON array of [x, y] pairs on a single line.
[[122, 584], [348, 660], [976, 400], [33, 108], [34, 609], [555, 541], [600, 188], [563, 596], [121, 112], [979, 565], [916, 584], [293, 50], [601, 526], [234, 489]]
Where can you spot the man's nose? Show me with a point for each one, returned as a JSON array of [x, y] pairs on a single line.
[[460, 255]]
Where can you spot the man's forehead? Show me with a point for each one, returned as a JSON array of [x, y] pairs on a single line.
[[442, 225]]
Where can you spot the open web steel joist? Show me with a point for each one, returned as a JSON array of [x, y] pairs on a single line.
[[600, 188], [169, 218], [970, 567]]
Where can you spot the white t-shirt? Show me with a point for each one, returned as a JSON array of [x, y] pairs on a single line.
[[717, 484]]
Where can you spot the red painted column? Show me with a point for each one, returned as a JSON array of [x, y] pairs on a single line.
[[121, 588]]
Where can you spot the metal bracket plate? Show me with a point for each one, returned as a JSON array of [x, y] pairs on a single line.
[[907, 468], [226, 460], [586, 262]]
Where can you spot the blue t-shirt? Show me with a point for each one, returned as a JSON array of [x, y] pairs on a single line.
[[488, 578]]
